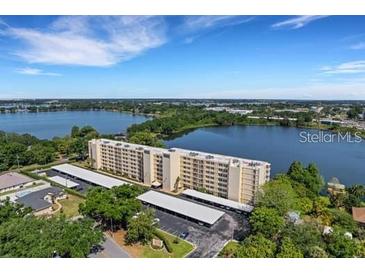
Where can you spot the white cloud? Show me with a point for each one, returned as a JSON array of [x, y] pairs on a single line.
[[360, 45], [345, 68], [36, 72], [90, 41], [193, 23], [297, 22], [194, 27]]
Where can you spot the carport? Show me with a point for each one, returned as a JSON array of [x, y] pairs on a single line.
[[182, 208]]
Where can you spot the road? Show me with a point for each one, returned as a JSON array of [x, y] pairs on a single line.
[[110, 249]]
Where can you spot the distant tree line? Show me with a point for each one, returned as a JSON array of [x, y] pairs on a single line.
[[18, 150]]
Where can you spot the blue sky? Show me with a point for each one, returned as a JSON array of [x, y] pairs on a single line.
[[286, 57]]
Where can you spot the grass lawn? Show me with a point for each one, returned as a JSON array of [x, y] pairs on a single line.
[[180, 249], [70, 206], [229, 249]]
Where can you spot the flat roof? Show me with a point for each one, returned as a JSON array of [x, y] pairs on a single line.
[[36, 200], [217, 200], [89, 176], [189, 209], [64, 181], [188, 153], [12, 179]]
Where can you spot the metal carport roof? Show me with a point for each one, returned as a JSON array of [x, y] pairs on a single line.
[[89, 176], [218, 200], [183, 207]]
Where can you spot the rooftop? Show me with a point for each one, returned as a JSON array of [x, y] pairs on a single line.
[[189, 153], [12, 179], [220, 158], [358, 214], [89, 176], [217, 200], [35, 199], [192, 210], [64, 181]]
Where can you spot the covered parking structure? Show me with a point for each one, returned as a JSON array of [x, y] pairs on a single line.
[[88, 176], [217, 201], [64, 181], [182, 208]]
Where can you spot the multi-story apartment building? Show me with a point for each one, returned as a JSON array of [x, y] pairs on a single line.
[[233, 178]]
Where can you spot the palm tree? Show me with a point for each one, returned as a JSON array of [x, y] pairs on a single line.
[[357, 190]]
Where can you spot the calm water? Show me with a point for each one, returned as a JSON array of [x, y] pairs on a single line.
[[46, 125], [280, 146]]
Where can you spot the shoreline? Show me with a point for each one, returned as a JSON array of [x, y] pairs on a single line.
[[186, 130]]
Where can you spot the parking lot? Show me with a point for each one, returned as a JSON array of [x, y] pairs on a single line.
[[83, 186], [208, 241]]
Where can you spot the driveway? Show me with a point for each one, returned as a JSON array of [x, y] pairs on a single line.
[[208, 241], [110, 249], [83, 186]]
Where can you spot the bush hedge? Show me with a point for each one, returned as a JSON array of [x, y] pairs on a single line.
[[165, 240]]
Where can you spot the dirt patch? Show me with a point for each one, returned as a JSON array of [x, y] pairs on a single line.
[[134, 251]]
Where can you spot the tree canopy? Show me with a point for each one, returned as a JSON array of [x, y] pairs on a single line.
[[24, 235], [112, 207], [309, 176], [266, 221], [141, 227], [278, 194], [288, 249], [256, 246], [298, 192]]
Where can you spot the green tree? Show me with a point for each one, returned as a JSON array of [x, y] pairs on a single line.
[[266, 221], [357, 190], [343, 219], [87, 131], [278, 194], [354, 112], [141, 227], [305, 205], [309, 176], [341, 246], [75, 131], [9, 210], [304, 236], [288, 249], [256, 246], [112, 207], [42, 154], [320, 205], [146, 138], [355, 197], [317, 252], [33, 237]]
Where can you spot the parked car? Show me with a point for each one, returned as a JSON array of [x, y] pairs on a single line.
[[184, 235]]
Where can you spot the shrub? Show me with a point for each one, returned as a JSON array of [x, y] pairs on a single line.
[[165, 240]]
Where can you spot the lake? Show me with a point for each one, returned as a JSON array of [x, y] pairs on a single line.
[[280, 146], [46, 125]]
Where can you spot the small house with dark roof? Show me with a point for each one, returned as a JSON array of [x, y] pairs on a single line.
[[41, 201]]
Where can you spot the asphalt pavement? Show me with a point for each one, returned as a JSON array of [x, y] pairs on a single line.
[[110, 249]]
